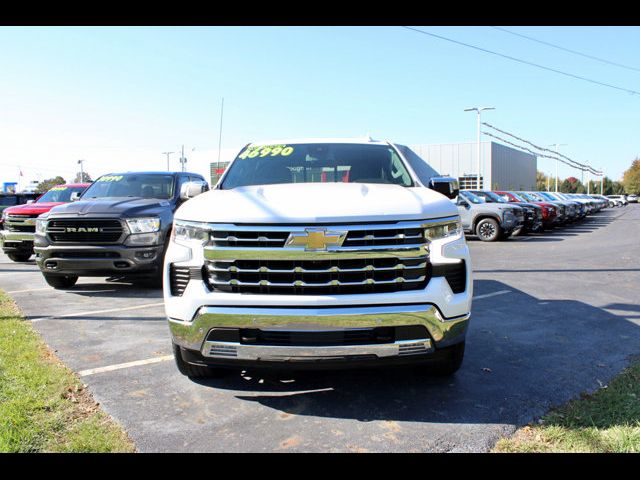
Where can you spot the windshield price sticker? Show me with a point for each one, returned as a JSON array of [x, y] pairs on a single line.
[[57, 189], [110, 178], [254, 151]]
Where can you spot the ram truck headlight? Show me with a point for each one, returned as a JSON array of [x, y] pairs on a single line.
[[143, 225], [188, 233], [41, 225], [443, 230]]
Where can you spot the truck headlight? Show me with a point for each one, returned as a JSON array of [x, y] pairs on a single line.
[[186, 233], [41, 226], [143, 225], [443, 230]]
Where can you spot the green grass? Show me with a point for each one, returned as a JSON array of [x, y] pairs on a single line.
[[606, 421], [44, 407]]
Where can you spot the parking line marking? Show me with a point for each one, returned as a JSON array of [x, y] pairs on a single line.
[[119, 366], [21, 271], [29, 290], [487, 295], [80, 314]]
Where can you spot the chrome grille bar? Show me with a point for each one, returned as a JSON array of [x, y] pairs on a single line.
[[331, 283]]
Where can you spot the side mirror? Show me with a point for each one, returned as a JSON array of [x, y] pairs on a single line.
[[192, 189], [447, 186], [75, 196]]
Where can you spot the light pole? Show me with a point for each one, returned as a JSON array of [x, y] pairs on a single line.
[[167, 154], [555, 147], [183, 160], [80, 162], [601, 181], [478, 110]]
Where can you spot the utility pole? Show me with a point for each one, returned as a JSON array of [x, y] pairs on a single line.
[[478, 110], [81, 171], [601, 181], [588, 184], [182, 159], [555, 147], [167, 154]]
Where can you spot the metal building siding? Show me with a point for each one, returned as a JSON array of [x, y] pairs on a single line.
[[512, 169], [501, 167]]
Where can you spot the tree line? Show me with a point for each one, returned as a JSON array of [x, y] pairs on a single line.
[[49, 183], [630, 183]]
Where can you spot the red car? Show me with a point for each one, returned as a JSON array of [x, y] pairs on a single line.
[[16, 239], [549, 212]]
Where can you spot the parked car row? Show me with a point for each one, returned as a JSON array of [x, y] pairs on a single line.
[[496, 215]]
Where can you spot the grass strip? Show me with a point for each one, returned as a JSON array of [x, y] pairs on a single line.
[[44, 407], [606, 421]]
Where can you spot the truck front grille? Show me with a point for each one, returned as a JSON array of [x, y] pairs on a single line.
[[319, 277], [264, 237], [21, 223], [85, 230], [320, 259], [179, 278]]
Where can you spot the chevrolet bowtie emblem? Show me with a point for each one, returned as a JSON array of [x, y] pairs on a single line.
[[315, 239]]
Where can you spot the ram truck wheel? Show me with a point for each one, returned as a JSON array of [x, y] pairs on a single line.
[[60, 281], [19, 257], [488, 230], [196, 371]]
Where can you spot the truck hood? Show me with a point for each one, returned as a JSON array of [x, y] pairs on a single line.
[[33, 208], [116, 207], [316, 203]]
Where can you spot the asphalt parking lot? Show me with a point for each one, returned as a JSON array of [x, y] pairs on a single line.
[[554, 315]]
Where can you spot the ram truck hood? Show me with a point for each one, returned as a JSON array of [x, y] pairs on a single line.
[[113, 207], [313, 203]]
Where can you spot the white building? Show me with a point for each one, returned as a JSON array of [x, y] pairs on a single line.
[[502, 167]]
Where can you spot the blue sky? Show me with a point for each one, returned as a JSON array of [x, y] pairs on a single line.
[[119, 96]]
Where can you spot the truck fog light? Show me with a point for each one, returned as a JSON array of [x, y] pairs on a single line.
[[146, 255], [143, 239]]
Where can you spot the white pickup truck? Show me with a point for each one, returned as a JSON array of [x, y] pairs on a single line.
[[319, 253]]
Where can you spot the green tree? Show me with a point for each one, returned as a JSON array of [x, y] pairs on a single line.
[[631, 178], [541, 181], [83, 177], [49, 183]]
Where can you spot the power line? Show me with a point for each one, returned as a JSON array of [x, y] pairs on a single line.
[[596, 82], [577, 164], [567, 49]]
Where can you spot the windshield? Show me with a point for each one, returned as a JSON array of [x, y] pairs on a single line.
[[549, 196], [530, 197], [519, 196], [489, 197], [60, 193], [144, 185], [471, 197], [316, 162]]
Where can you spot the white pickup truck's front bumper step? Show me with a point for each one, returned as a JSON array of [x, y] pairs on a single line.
[[295, 353]]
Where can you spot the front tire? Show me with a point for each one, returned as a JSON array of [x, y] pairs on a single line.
[[19, 257], [60, 281], [488, 230], [449, 366], [195, 371]]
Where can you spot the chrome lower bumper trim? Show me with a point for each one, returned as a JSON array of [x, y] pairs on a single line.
[[443, 331], [239, 351]]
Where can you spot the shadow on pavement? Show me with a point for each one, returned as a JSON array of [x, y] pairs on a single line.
[[523, 356]]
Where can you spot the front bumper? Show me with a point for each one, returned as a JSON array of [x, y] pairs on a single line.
[[11, 242], [199, 334], [96, 261]]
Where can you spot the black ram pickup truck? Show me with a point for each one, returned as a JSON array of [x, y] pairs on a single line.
[[119, 227]]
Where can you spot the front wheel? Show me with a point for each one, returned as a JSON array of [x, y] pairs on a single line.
[[19, 257], [488, 230], [450, 365], [60, 281]]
